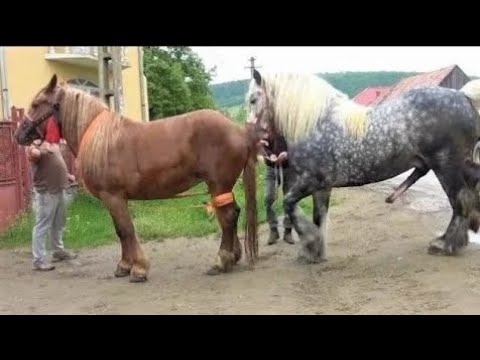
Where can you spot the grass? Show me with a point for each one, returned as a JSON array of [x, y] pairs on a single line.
[[89, 223]]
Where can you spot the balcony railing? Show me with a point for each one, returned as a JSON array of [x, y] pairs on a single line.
[[80, 55]]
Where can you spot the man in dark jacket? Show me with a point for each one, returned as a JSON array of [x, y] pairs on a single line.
[[278, 173]]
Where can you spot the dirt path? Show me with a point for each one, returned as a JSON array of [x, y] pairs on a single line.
[[377, 264]]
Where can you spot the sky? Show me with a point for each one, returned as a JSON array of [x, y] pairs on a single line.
[[232, 60]]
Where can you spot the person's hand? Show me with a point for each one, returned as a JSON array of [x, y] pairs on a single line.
[[273, 158], [282, 157], [33, 153], [71, 177]]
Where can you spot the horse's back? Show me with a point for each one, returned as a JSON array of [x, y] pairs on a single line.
[[193, 121], [426, 121], [431, 110], [167, 156]]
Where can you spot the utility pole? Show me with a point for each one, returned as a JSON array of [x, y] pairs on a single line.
[[252, 66], [111, 56]]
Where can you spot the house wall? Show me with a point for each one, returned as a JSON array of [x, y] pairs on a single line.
[[28, 70], [456, 80]]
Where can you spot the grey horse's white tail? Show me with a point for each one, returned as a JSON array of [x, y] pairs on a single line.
[[472, 91]]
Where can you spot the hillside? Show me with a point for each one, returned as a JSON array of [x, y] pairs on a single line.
[[230, 94]]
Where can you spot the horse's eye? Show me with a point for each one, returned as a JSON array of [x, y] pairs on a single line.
[[253, 101]]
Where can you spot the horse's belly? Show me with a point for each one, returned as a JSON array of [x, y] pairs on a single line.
[[368, 173], [161, 186]]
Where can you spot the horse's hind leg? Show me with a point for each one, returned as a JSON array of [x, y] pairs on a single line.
[[462, 200], [133, 261], [230, 249], [472, 176]]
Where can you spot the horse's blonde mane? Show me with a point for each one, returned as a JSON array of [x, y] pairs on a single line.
[[77, 111], [300, 101]]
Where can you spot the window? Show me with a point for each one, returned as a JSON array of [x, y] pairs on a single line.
[[85, 85]]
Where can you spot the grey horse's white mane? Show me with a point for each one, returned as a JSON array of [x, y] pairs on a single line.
[[299, 101]]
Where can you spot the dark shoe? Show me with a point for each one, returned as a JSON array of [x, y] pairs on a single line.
[[63, 255], [274, 236], [287, 237], [43, 267]]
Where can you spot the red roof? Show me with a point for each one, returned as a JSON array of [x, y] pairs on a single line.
[[433, 78], [370, 94]]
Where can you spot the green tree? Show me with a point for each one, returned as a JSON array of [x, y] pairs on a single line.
[[177, 81], [197, 77]]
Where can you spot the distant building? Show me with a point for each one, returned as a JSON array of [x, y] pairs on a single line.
[[451, 77], [370, 94]]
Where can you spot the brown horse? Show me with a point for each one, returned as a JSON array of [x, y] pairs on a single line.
[[121, 159]]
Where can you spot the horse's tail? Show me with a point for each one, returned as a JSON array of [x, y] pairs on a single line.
[[250, 188], [472, 91]]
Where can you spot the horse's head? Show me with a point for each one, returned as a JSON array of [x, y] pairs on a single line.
[[45, 105], [260, 114]]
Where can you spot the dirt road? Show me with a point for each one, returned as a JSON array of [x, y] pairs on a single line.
[[377, 264]]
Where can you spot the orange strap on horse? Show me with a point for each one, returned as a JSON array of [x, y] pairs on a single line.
[[217, 201], [90, 129], [222, 199]]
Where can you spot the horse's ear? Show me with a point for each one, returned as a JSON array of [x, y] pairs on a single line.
[[52, 84], [60, 96], [257, 77]]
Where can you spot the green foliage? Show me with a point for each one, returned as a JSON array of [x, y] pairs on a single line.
[[232, 93], [239, 114], [177, 81], [352, 83]]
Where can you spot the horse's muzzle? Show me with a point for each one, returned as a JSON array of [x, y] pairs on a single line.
[[25, 133]]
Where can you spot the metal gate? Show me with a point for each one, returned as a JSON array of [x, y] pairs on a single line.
[[14, 175]]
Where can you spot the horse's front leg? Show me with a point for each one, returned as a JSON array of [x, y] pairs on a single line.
[[133, 261], [310, 240], [321, 203]]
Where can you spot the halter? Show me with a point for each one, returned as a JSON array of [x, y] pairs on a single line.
[[258, 117], [33, 124]]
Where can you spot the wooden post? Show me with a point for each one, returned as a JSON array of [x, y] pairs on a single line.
[[103, 74], [116, 52]]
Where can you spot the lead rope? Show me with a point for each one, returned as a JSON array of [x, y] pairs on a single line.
[[281, 176], [278, 179]]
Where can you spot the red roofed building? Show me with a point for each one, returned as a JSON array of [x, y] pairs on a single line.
[[451, 77], [370, 94]]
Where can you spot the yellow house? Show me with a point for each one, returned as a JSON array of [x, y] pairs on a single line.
[[24, 70]]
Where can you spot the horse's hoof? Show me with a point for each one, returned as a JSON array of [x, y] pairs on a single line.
[[121, 272], [215, 270], [304, 260], [438, 247], [237, 258], [138, 278]]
